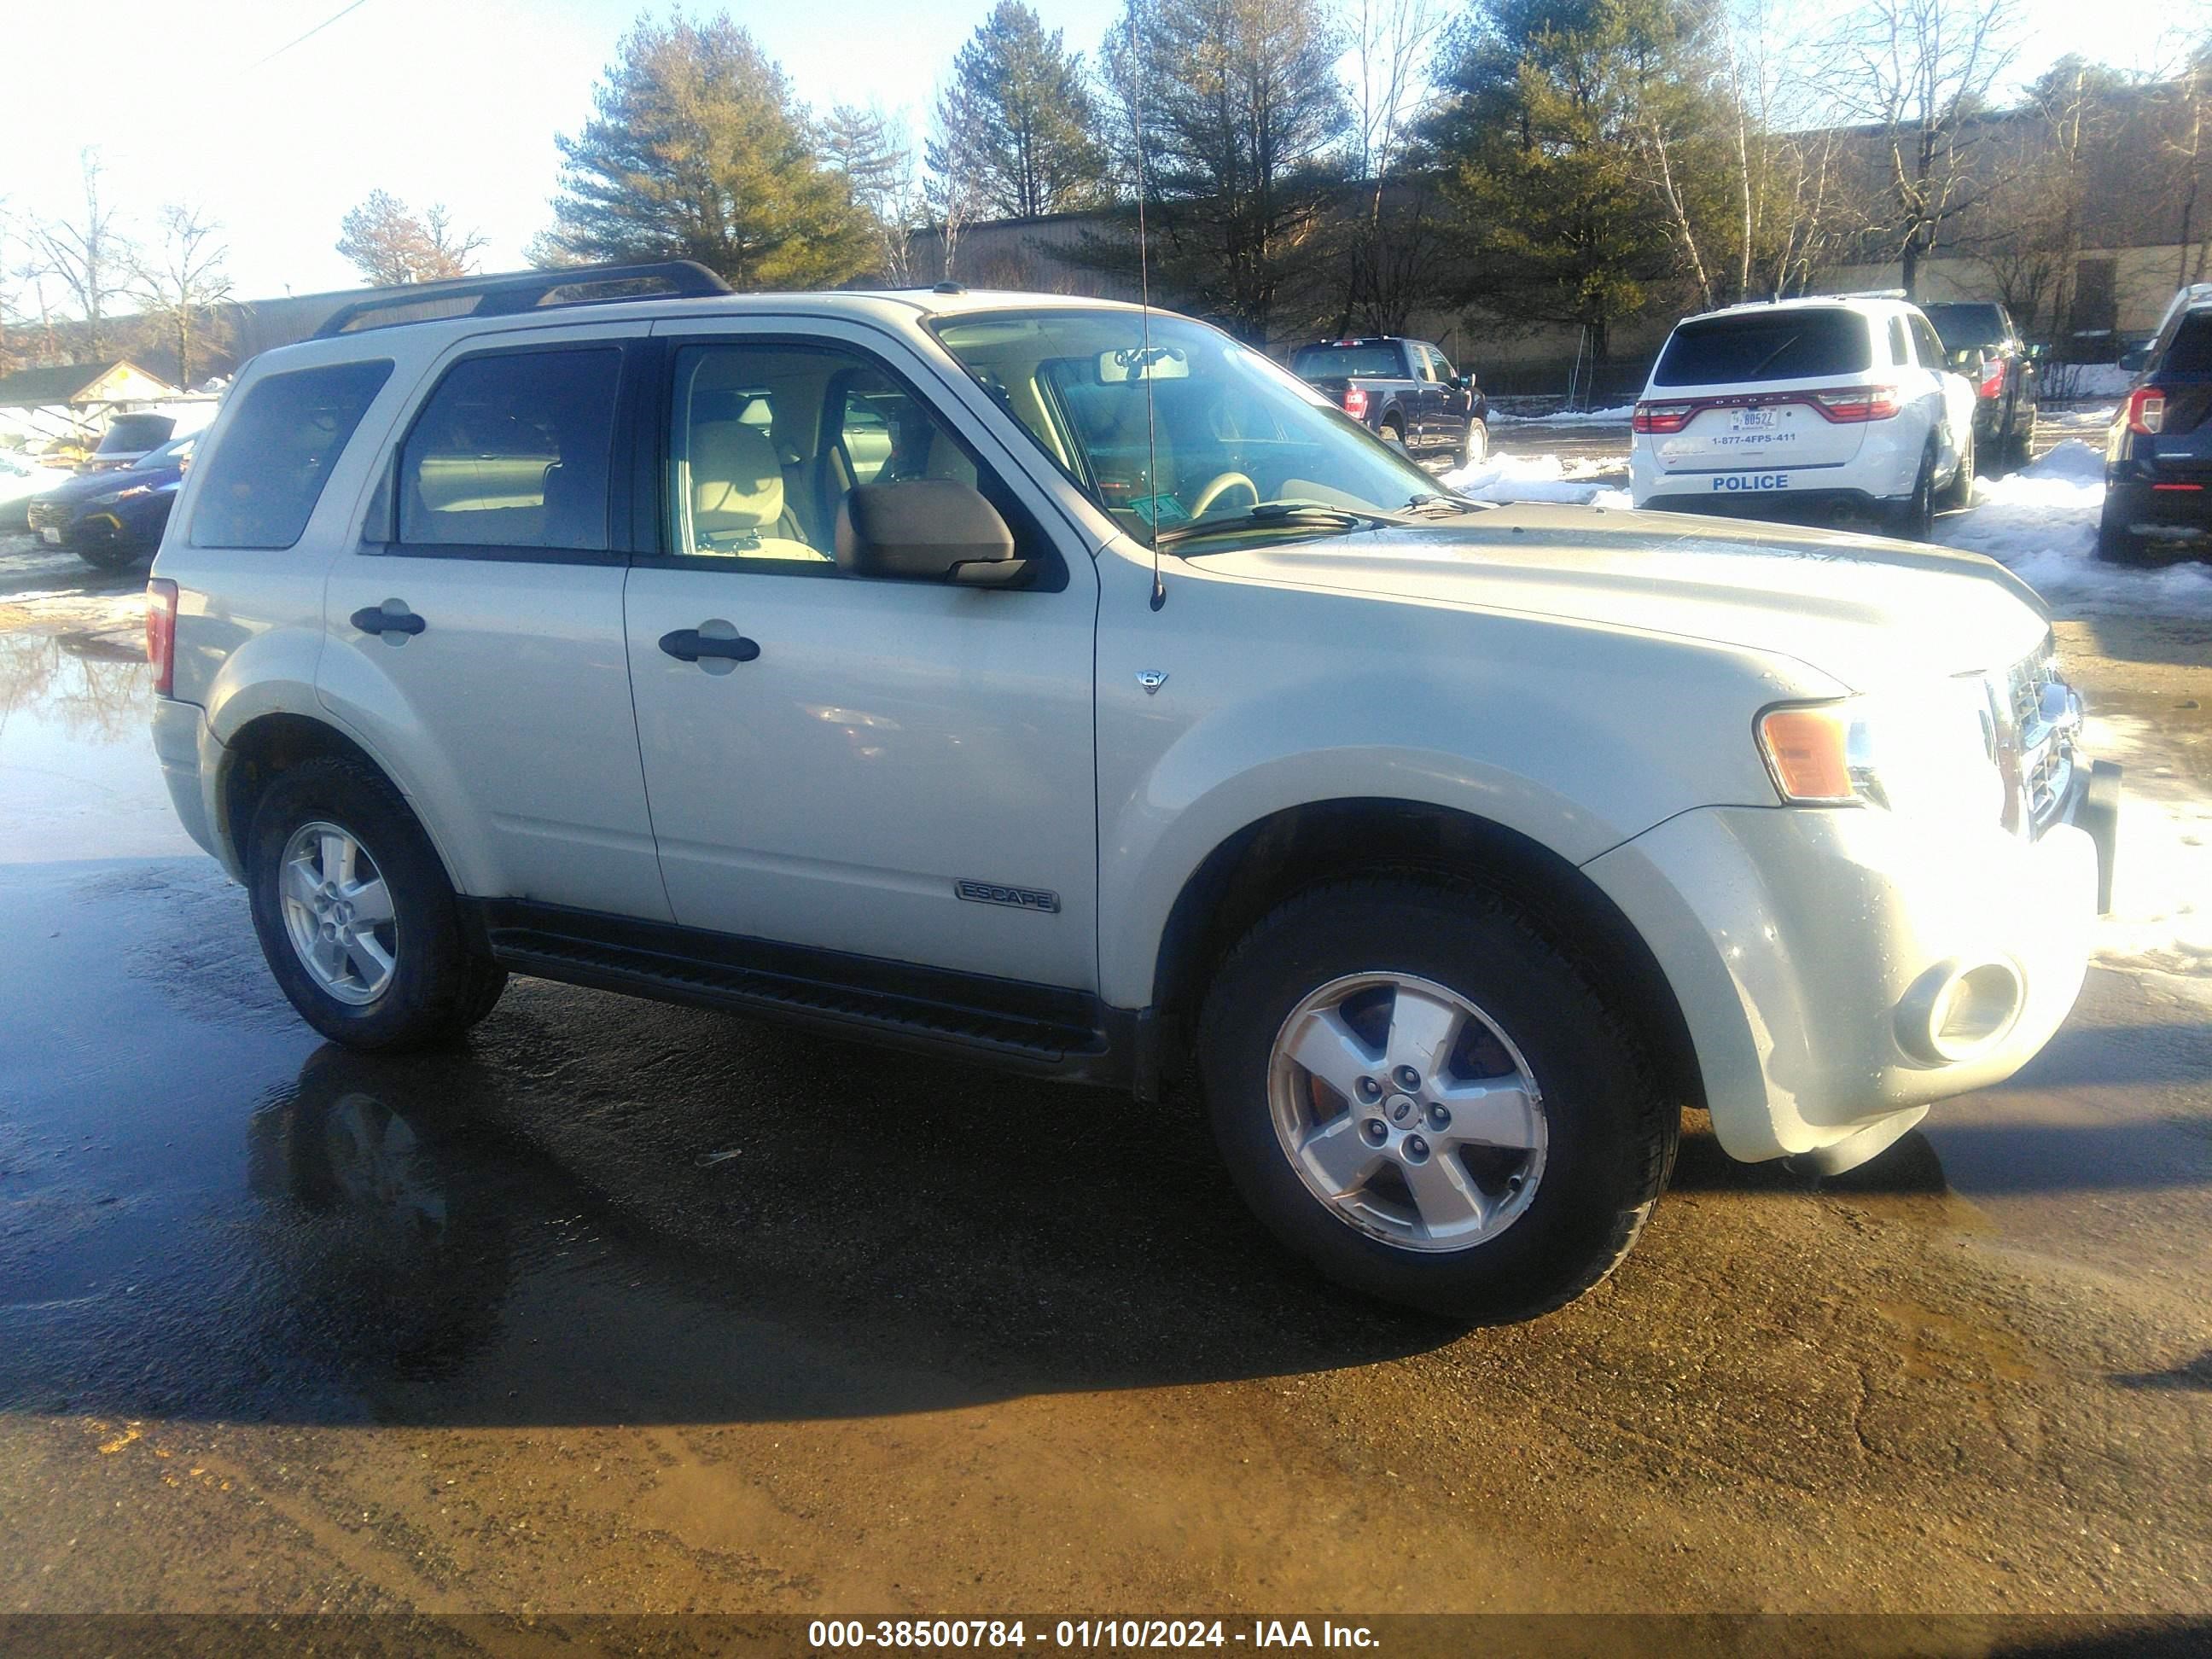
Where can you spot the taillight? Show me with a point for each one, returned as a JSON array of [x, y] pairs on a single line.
[[1662, 418], [1858, 402], [1355, 402], [162, 635], [2146, 411], [1992, 382]]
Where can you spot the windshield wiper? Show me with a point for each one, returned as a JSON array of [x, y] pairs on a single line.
[[1451, 503], [1295, 515]]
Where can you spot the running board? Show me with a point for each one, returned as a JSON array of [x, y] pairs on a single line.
[[940, 1013]]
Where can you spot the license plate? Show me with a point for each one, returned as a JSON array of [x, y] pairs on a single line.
[[53, 532], [1754, 420], [1729, 482]]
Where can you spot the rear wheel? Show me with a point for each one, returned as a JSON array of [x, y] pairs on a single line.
[[2117, 544], [1476, 449], [2019, 442], [1393, 433], [355, 916], [1914, 517], [1417, 1091], [1959, 492]]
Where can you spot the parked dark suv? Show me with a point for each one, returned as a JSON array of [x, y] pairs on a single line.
[[2157, 458], [1988, 350]]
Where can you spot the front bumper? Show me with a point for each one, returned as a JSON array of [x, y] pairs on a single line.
[[1805, 947]]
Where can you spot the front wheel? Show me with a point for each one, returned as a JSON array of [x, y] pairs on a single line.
[[1417, 1091], [113, 559], [355, 916]]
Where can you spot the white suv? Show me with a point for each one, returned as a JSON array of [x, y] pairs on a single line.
[[1029, 679], [1806, 406]]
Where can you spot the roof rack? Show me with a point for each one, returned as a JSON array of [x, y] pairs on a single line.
[[1864, 293], [520, 291]]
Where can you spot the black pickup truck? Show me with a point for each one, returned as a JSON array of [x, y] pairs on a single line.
[[1404, 390]]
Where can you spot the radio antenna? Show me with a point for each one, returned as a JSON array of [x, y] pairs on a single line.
[[1144, 307]]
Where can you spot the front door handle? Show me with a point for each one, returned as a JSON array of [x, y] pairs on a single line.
[[689, 644], [392, 616]]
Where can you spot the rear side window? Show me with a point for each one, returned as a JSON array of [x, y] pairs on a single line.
[[265, 477], [1927, 342], [2191, 350], [1775, 345], [512, 450], [1337, 363]]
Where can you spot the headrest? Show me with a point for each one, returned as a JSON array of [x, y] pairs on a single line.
[[736, 483]]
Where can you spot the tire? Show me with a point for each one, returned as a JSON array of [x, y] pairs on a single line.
[[2117, 544], [112, 561], [436, 981], [1599, 1138], [2020, 443], [1959, 492], [1914, 517], [1474, 450], [1394, 433]]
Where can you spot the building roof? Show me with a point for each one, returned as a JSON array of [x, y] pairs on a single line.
[[64, 383]]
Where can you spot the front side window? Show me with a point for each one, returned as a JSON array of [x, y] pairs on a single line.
[[1199, 431], [765, 438], [262, 484], [512, 450]]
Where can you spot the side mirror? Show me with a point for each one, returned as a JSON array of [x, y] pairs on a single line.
[[930, 530]]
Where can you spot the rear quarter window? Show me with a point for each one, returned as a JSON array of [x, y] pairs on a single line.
[[2191, 350], [1777, 345], [261, 484]]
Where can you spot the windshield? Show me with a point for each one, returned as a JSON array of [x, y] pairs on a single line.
[[129, 432], [1229, 430]]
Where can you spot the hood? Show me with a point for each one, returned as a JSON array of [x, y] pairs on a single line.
[[1864, 610], [83, 486]]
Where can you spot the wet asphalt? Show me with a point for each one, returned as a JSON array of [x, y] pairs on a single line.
[[630, 1307]]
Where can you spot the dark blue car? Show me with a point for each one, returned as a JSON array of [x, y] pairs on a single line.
[[2158, 461], [113, 520]]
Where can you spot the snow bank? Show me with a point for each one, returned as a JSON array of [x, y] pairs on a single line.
[[2091, 379], [1593, 482], [1615, 417], [2162, 917], [2041, 523]]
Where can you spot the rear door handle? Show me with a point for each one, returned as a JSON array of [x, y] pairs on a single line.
[[392, 616], [689, 644]]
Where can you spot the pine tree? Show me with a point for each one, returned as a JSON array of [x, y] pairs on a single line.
[[1243, 117], [1017, 126], [698, 149]]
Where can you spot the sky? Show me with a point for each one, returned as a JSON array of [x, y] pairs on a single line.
[[212, 102]]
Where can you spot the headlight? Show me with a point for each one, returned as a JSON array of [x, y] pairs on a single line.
[[1923, 750], [115, 496]]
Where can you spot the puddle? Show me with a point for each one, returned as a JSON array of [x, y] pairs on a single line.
[[77, 770]]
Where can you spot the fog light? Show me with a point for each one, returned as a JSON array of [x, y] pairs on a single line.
[[1957, 1010]]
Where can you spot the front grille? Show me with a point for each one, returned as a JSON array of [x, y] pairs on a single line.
[[2036, 732], [42, 513]]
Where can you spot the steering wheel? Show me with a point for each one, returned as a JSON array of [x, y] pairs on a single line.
[[1219, 485]]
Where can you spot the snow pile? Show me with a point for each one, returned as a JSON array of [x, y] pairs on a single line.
[[2041, 523], [2095, 418], [1615, 417], [1581, 482], [2162, 917]]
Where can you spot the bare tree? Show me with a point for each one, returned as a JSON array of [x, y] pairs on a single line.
[[871, 147], [390, 244], [1397, 236], [91, 255], [1920, 71], [180, 284]]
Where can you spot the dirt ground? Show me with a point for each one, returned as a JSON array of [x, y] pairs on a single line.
[[634, 1308]]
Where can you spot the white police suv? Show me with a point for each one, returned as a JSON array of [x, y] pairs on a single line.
[[1806, 407]]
